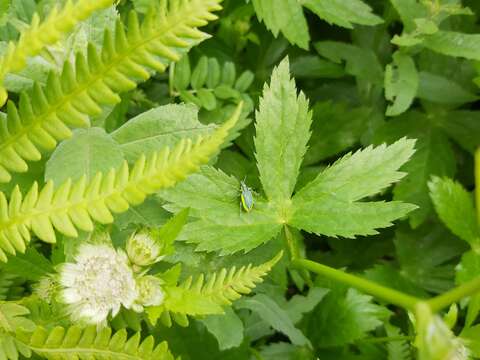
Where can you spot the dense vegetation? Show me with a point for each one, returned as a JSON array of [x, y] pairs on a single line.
[[251, 180]]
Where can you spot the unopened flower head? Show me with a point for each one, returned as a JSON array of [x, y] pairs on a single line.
[[150, 291], [142, 249], [99, 282], [46, 288]]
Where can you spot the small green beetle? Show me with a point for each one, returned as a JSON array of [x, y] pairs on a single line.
[[246, 197]]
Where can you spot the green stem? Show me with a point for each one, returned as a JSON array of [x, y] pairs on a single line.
[[444, 300], [391, 296], [477, 184]]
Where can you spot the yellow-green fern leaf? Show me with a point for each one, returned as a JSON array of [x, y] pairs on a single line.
[[207, 296], [44, 116], [76, 205], [89, 343], [40, 34]]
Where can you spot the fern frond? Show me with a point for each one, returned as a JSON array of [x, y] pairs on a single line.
[[127, 57], [40, 34], [206, 296], [76, 343], [74, 206]]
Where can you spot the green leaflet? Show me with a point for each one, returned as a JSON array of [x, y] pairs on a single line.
[[401, 83], [227, 329], [284, 16], [454, 44], [343, 13], [39, 35], [75, 204], [454, 205], [329, 204], [283, 129], [95, 79]]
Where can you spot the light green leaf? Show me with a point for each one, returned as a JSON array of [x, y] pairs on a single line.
[[159, 127], [442, 90], [328, 205], [343, 317], [401, 83], [12, 317], [285, 16], [214, 199], [32, 265], [150, 213], [472, 338], [409, 10], [454, 205], [227, 329], [80, 156], [454, 44], [274, 315], [343, 12], [283, 129], [468, 268]]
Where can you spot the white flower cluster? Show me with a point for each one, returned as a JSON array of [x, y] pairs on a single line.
[[101, 281]]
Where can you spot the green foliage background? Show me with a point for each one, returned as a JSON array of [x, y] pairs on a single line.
[[357, 132]]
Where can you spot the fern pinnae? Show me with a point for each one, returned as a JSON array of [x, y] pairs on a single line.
[[127, 57], [76, 205], [89, 343], [41, 34]]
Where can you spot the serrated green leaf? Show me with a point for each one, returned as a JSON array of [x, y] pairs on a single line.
[[157, 128], [397, 349], [79, 156], [274, 315], [454, 205], [285, 16], [32, 265], [401, 83], [329, 204], [283, 130], [343, 12], [343, 317]]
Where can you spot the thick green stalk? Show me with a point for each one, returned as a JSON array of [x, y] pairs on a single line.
[[444, 300], [381, 292]]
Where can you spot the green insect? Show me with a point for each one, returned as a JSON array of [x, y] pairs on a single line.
[[246, 197]]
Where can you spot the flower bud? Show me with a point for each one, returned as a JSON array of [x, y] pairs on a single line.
[[150, 291], [142, 249]]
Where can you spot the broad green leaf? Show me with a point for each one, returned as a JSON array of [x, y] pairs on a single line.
[[80, 156], [454, 44], [274, 315], [435, 272], [157, 128], [283, 129], [401, 83], [335, 128], [472, 338], [150, 213], [343, 12], [285, 16], [32, 265], [433, 156], [454, 205], [286, 351], [227, 329], [214, 199], [329, 204], [438, 89], [312, 67], [343, 317], [359, 62]]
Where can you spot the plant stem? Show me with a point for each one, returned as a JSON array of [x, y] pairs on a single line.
[[442, 301], [477, 184], [391, 296]]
